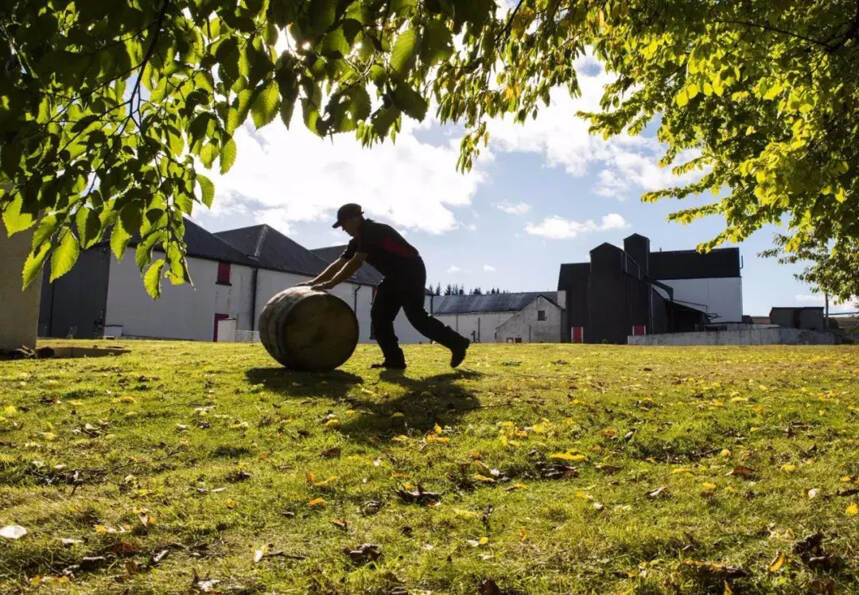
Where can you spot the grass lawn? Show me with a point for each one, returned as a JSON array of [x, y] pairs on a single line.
[[534, 468]]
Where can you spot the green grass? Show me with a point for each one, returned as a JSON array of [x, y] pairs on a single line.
[[129, 455]]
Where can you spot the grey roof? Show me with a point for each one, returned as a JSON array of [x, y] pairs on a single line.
[[270, 249], [201, 243], [501, 302], [366, 275]]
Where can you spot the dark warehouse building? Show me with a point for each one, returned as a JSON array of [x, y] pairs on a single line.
[[633, 291]]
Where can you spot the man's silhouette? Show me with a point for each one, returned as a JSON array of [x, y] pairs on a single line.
[[403, 286]]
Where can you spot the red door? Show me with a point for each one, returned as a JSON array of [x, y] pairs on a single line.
[[578, 334], [639, 329], [218, 318]]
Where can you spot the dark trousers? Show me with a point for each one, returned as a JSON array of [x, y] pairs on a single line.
[[406, 290]]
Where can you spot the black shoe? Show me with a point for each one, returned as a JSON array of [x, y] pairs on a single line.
[[389, 365], [457, 354]]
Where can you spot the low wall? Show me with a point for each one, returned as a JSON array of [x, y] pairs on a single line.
[[749, 336]]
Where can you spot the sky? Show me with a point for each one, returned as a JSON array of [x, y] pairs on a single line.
[[542, 194]]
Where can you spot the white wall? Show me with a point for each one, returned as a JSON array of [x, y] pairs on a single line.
[[721, 296], [468, 324], [186, 312], [525, 325], [183, 311]]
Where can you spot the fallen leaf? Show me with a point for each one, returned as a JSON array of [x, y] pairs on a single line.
[[259, 554], [517, 486], [317, 502], [13, 532], [400, 438], [788, 467], [566, 456], [158, 557], [341, 524], [366, 552], [69, 541], [658, 492], [852, 510], [419, 496], [482, 478], [708, 487], [742, 471], [777, 562]]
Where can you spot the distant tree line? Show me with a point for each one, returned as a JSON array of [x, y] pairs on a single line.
[[454, 289]]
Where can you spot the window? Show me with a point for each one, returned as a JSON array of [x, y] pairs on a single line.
[[223, 273], [541, 315]]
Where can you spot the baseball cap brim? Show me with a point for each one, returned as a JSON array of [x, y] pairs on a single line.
[[336, 225]]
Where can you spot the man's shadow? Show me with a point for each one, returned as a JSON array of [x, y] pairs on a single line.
[[439, 399]]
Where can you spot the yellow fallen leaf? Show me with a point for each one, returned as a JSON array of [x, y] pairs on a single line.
[[437, 438], [127, 399], [788, 467], [483, 540], [10, 411], [230, 503], [482, 478], [317, 502], [437, 429], [475, 455], [400, 438], [504, 424], [518, 486], [708, 487], [398, 414], [566, 456], [777, 562], [332, 423], [725, 453], [852, 510], [49, 436]]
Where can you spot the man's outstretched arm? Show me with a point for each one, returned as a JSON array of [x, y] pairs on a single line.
[[328, 273], [348, 269]]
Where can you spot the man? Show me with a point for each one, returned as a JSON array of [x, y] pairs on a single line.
[[403, 287]]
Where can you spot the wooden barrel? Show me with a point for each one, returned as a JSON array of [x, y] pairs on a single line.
[[308, 330]]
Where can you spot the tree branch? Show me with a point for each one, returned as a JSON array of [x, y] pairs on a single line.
[[773, 29]]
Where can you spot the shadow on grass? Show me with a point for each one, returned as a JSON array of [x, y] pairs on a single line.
[[291, 383], [438, 399]]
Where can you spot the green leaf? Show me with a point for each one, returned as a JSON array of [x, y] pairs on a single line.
[[33, 264], [383, 119], [208, 154], [14, 219], [265, 104], [207, 188], [88, 225], [131, 217], [773, 91], [404, 51], [322, 14], [119, 240], [65, 255], [45, 231], [228, 156], [360, 105], [152, 279], [437, 44], [410, 101]]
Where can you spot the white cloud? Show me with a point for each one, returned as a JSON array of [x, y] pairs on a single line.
[[453, 269], [818, 299], [286, 176], [488, 268], [519, 208], [558, 228], [630, 164]]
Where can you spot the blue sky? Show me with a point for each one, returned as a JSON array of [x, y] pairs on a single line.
[[541, 194]]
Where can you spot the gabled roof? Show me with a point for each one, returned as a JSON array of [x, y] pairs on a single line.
[[204, 244], [270, 249], [573, 273], [501, 302], [366, 275], [201, 243]]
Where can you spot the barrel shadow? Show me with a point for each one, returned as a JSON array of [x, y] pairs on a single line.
[[334, 384], [438, 399]]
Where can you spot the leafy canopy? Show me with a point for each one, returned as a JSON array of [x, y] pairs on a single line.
[[109, 111]]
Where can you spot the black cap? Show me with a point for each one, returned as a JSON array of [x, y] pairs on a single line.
[[347, 211]]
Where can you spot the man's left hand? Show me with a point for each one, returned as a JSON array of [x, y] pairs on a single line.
[[322, 286]]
